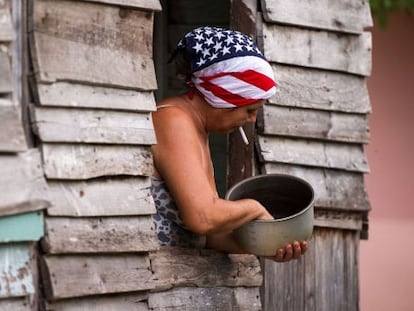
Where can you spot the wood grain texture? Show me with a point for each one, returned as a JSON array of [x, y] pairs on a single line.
[[84, 275], [101, 197], [333, 188], [307, 123], [153, 5], [92, 126], [206, 299], [6, 25], [15, 304], [65, 94], [345, 16], [348, 157], [124, 302], [240, 162], [6, 74], [99, 235], [175, 267], [71, 161], [325, 279], [22, 183], [318, 49], [347, 220], [12, 137], [16, 278], [320, 89], [91, 43]]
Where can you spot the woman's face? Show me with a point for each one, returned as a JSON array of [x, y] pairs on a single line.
[[228, 119]]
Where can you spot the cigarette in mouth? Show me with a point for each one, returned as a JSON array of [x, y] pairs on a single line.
[[243, 135]]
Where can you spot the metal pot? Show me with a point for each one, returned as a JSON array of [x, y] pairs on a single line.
[[289, 199]]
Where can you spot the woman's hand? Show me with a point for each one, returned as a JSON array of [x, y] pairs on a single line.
[[289, 252]]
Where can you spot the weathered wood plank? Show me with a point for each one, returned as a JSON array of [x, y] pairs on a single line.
[[6, 74], [153, 5], [21, 227], [16, 278], [346, 16], [92, 126], [318, 49], [240, 163], [88, 161], [109, 197], [328, 218], [80, 95], [15, 304], [175, 267], [83, 275], [88, 42], [124, 302], [206, 299], [23, 186], [306, 123], [95, 235], [320, 89], [6, 25], [326, 277], [349, 157], [333, 188], [12, 137]]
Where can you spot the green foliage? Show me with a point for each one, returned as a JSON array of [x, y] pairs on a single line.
[[382, 8]]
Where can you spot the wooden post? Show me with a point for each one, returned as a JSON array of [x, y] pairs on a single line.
[[241, 156]]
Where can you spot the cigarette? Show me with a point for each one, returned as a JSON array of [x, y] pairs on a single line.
[[243, 135]]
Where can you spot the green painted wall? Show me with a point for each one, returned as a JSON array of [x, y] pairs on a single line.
[[21, 227]]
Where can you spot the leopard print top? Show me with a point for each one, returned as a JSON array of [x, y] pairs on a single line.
[[169, 226]]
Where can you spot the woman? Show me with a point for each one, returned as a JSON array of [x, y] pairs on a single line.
[[228, 80]]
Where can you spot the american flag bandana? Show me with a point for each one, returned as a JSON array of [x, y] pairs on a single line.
[[227, 67]]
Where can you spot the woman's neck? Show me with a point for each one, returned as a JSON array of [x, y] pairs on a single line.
[[198, 108]]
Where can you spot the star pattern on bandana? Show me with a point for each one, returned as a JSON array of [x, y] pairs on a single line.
[[208, 45]]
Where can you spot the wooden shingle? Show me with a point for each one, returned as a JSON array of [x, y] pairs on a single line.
[[351, 16], [93, 44]]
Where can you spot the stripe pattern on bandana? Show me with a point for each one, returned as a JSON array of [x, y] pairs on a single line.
[[227, 67]]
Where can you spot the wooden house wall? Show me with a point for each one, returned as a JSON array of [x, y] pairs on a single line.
[[23, 193], [93, 83], [316, 127], [93, 93]]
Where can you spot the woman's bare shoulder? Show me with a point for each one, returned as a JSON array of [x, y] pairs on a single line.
[[172, 111]]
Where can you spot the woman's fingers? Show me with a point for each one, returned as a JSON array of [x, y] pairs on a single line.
[[290, 251], [304, 246], [280, 254], [297, 250]]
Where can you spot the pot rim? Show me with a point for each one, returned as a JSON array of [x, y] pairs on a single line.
[[261, 176]]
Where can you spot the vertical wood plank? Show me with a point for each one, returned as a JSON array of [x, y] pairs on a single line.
[[6, 26], [6, 75], [12, 138], [15, 274], [325, 279], [241, 159]]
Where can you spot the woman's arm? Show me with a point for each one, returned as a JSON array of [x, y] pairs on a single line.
[[181, 158]]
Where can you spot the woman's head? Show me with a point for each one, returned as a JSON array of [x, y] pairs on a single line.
[[225, 66]]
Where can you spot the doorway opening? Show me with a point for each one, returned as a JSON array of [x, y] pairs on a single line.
[[176, 19]]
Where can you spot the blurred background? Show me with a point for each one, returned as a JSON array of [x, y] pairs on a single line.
[[386, 258]]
